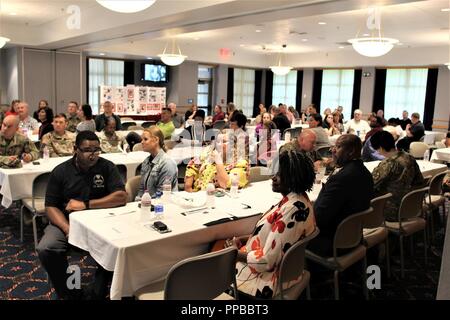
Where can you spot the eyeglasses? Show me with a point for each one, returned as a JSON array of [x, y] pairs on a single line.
[[95, 151]]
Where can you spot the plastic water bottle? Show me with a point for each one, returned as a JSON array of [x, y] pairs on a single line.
[[234, 185], [46, 153], [167, 190], [146, 206], [210, 197], [426, 155], [159, 206]]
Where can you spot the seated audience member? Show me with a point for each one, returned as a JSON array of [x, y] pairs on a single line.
[[305, 143], [447, 140], [110, 142], [340, 109], [280, 120], [284, 110], [330, 126], [369, 153], [414, 132], [268, 135], [132, 139], [337, 121], [100, 120], [13, 109], [311, 109], [285, 223], [190, 114], [197, 131], [348, 190], [294, 112], [216, 164], [357, 125], [376, 124], [26, 123], [60, 142], [380, 114], [72, 116], [315, 124], [165, 124], [71, 188], [394, 128], [177, 119], [231, 110], [326, 112], [41, 105], [398, 173], [404, 121], [158, 167], [265, 118], [46, 119], [14, 146], [87, 122], [218, 114]]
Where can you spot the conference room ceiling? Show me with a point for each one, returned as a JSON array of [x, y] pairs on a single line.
[[251, 32]]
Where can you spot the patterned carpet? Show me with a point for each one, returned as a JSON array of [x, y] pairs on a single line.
[[22, 277]]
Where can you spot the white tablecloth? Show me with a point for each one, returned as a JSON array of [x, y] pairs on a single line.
[[139, 255], [441, 155], [427, 168], [16, 184]]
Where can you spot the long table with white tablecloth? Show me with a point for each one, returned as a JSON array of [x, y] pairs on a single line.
[[17, 184]]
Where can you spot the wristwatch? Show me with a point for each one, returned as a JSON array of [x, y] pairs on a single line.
[[86, 204]]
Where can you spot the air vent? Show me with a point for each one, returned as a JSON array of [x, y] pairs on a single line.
[[297, 33]]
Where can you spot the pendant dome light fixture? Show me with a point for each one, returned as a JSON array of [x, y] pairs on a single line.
[[128, 6], [376, 45], [279, 69], [174, 58]]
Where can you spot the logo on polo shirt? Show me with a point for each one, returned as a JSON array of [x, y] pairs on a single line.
[[99, 181]]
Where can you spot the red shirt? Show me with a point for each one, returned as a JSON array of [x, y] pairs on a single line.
[[219, 116]]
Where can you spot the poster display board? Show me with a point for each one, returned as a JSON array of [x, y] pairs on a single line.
[[133, 100]]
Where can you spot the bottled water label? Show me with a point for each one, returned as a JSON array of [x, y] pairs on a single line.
[[159, 211]]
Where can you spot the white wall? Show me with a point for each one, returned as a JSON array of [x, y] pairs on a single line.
[[367, 90], [307, 88], [442, 105], [10, 72]]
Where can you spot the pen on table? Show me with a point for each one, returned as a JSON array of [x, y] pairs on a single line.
[[248, 206]]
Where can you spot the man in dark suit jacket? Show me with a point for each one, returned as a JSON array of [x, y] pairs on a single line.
[[348, 190]]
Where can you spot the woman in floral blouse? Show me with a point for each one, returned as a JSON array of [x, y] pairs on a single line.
[[287, 222], [217, 163]]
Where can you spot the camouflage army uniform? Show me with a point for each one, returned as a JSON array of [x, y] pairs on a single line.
[[293, 145], [18, 145], [59, 146], [398, 174], [112, 144], [73, 121]]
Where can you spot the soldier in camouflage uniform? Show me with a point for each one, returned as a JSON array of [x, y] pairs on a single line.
[[72, 116], [398, 173], [59, 142], [14, 146], [110, 141]]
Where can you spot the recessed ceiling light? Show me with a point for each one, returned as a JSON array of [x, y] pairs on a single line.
[[304, 40], [13, 14], [196, 39], [257, 30], [445, 10], [149, 58], [242, 45], [366, 35], [322, 23], [341, 47], [101, 54]]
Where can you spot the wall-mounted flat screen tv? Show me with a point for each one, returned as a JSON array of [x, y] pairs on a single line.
[[154, 72]]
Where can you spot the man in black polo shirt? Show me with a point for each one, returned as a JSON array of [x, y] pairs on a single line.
[[86, 181]]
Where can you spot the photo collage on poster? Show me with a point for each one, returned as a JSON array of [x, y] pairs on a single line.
[[134, 100]]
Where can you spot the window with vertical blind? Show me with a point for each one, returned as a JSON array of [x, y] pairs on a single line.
[[244, 90], [337, 90], [405, 90], [204, 87], [103, 72], [284, 89]]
